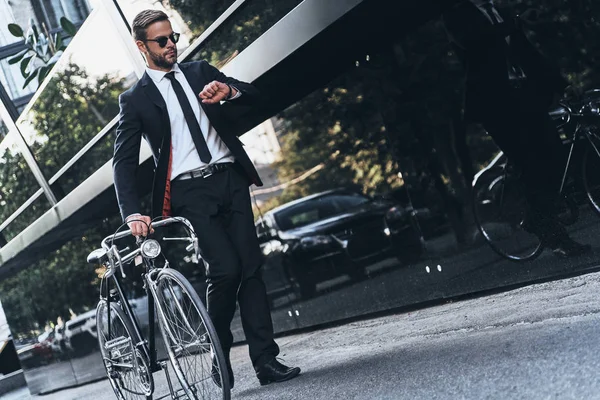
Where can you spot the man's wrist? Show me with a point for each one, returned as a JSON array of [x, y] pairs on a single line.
[[131, 216]]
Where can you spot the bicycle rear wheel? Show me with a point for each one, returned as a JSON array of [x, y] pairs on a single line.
[[190, 338], [499, 207], [126, 366]]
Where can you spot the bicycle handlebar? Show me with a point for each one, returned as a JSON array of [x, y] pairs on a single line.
[[156, 224], [115, 255]]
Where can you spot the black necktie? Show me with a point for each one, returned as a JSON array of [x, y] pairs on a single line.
[[191, 120]]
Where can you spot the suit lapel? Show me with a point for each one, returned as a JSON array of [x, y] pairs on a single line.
[[152, 92], [197, 83], [193, 79]]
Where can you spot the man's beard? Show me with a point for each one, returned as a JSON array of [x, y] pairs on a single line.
[[161, 61]]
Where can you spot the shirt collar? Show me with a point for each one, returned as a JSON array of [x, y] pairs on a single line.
[[157, 75]]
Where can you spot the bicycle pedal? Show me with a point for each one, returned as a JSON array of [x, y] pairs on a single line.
[[119, 347]]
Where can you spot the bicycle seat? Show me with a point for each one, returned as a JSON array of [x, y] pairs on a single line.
[[98, 256]]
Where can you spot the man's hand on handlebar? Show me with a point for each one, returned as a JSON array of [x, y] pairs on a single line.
[[139, 225]]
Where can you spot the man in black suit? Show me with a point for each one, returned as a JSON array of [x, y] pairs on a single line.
[[202, 173], [509, 87]]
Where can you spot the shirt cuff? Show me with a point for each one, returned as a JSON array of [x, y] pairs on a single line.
[[238, 94], [132, 215]]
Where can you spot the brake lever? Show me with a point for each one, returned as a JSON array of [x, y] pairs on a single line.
[[176, 239]]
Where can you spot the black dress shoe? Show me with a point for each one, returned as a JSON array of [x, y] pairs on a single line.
[[216, 377], [273, 371], [569, 248]]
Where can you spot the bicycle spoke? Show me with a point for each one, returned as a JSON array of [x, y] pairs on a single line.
[[188, 338], [500, 212], [129, 383]]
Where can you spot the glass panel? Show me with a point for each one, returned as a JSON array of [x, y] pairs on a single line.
[[29, 215], [81, 97], [248, 22], [74, 10], [47, 12], [188, 18], [93, 159], [392, 129], [12, 80], [50, 308], [17, 185]]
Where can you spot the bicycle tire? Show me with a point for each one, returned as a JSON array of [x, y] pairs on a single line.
[[591, 183], [121, 326], [197, 343], [483, 190]]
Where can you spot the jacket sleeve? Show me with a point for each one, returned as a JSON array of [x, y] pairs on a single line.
[[250, 94], [126, 156]]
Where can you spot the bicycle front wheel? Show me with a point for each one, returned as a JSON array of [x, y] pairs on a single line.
[[500, 207], [191, 340], [126, 366], [591, 177]]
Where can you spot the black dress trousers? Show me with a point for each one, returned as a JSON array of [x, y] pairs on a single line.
[[220, 211]]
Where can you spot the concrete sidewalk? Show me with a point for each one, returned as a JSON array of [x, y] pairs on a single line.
[[536, 342]]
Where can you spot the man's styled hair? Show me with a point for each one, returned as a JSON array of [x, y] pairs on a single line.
[[143, 20]]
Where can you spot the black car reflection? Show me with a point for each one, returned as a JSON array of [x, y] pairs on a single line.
[[338, 232]]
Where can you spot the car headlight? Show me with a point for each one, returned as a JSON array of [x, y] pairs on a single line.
[[150, 248], [317, 240], [394, 213]]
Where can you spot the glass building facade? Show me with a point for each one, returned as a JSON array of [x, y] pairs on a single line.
[[378, 195]]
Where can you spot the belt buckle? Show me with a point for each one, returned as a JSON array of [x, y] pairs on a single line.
[[207, 173]]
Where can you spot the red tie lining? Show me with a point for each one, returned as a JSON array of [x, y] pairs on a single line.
[[166, 210]]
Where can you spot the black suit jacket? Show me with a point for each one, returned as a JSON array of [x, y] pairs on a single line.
[[484, 51], [143, 112]]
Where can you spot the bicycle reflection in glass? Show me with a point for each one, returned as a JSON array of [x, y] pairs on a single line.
[[499, 202], [189, 336]]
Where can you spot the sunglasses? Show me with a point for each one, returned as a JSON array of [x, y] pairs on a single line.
[[163, 40]]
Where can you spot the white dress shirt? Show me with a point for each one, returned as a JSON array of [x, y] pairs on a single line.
[[185, 156]]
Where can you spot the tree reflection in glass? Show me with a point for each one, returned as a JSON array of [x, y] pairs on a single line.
[[81, 96], [17, 185]]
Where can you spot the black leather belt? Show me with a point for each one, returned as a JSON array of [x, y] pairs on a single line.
[[203, 172]]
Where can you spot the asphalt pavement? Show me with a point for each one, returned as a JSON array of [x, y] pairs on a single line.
[[535, 342]]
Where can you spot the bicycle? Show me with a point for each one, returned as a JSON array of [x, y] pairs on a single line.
[[498, 202], [193, 347]]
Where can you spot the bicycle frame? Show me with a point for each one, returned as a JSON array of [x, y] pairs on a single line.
[[148, 347], [579, 132], [568, 117]]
